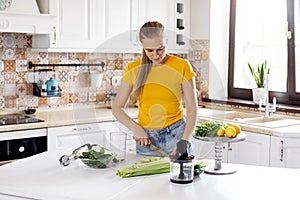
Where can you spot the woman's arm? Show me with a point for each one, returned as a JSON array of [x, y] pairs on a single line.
[[190, 100], [118, 110]]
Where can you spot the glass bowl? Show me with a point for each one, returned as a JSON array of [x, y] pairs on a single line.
[[97, 157]]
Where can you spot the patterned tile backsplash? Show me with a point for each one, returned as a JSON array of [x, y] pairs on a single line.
[[16, 88]]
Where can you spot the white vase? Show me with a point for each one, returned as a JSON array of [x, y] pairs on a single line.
[[259, 94]]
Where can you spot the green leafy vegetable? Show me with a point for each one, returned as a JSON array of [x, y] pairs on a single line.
[[208, 129], [96, 159], [199, 167]]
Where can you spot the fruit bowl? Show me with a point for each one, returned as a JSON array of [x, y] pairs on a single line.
[[98, 157]]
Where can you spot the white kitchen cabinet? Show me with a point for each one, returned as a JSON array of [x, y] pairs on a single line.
[[91, 26], [168, 14], [285, 152], [116, 24], [124, 18], [76, 26], [253, 151], [112, 25], [70, 137], [205, 150]]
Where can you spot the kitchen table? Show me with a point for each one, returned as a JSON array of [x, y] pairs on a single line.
[[42, 177]]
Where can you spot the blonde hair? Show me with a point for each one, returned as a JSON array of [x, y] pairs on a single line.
[[148, 30]]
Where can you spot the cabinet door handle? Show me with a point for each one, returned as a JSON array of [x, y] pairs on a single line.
[[82, 129], [229, 148], [281, 151], [4, 24], [54, 35]]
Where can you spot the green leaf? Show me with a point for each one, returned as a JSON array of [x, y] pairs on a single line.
[[259, 72]]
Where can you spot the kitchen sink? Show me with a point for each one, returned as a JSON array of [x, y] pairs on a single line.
[[262, 119], [255, 119], [236, 116], [272, 122]]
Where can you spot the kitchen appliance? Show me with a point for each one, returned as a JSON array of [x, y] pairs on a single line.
[[182, 165], [21, 144], [52, 87], [17, 119]]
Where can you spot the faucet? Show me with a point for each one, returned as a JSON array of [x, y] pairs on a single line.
[[268, 107]]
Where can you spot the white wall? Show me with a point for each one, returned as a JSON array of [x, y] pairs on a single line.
[[219, 47], [200, 13], [210, 21]]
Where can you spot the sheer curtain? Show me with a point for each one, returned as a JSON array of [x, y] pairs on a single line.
[[260, 34]]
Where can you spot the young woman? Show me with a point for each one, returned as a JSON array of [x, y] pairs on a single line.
[[157, 82]]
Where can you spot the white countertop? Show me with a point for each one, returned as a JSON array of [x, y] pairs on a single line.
[[42, 177], [291, 131], [93, 114], [68, 116]]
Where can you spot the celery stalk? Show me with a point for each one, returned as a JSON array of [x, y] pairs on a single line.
[[154, 165], [148, 168]]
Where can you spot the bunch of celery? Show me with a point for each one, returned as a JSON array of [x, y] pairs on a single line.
[[146, 167]]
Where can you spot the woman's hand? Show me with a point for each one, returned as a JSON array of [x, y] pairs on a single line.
[[173, 153], [143, 141], [183, 146], [140, 136]]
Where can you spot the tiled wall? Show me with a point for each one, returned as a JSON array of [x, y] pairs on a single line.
[[16, 89]]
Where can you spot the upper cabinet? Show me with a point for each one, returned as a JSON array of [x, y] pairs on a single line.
[[124, 18], [116, 26], [112, 25], [174, 15], [75, 27]]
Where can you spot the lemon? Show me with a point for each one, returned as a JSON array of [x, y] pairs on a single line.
[[230, 132], [237, 128], [221, 131]]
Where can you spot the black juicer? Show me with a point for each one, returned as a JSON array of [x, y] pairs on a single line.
[[182, 165]]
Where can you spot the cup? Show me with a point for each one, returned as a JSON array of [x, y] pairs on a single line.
[[118, 144]]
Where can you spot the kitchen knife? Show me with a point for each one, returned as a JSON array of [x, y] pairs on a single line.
[[158, 150]]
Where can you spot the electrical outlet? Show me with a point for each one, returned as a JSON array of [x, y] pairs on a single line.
[[116, 80]]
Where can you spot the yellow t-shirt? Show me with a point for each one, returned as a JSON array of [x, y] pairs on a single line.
[[160, 102]]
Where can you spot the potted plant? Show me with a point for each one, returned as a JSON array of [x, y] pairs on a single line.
[[258, 75]]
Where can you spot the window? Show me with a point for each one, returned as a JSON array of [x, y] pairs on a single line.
[[259, 32], [297, 44]]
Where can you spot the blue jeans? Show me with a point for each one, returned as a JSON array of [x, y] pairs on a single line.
[[165, 139]]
